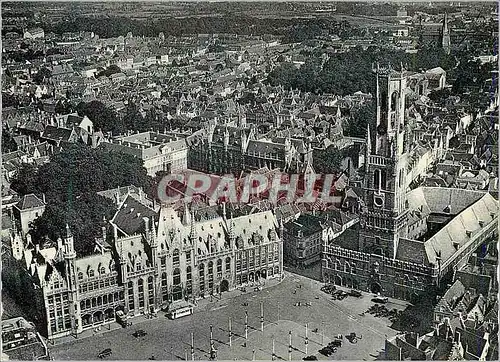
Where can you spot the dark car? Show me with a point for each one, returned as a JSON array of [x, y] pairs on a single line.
[[139, 333], [355, 293], [310, 358], [328, 351], [335, 343], [106, 353]]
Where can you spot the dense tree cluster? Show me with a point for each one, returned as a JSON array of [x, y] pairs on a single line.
[[103, 117], [328, 160], [70, 182], [112, 69], [8, 143], [117, 26], [336, 75]]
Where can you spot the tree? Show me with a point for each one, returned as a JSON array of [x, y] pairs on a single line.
[[328, 161], [360, 118], [112, 69], [42, 75], [103, 117], [71, 192], [24, 181], [8, 143]]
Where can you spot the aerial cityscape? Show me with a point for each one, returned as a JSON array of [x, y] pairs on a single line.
[[210, 180]]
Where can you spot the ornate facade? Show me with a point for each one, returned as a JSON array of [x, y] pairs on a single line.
[[410, 242], [153, 260]]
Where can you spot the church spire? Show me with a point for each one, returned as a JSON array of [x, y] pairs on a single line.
[[446, 41]]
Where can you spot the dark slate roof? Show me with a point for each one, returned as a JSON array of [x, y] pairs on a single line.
[[130, 216], [57, 133], [29, 202]]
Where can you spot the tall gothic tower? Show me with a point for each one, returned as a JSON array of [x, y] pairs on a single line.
[[71, 280], [383, 218], [445, 35]]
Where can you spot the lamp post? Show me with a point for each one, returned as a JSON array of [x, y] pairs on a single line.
[[262, 316], [274, 354], [246, 327], [211, 336], [290, 345], [306, 340], [230, 333], [192, 346]]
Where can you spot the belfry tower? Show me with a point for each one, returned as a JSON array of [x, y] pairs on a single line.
[[383, 219], [445, 35]]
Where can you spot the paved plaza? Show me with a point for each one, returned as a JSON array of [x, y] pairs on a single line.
[[171, 339]]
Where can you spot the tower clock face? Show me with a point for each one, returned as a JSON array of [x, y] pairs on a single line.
[[378, 201]]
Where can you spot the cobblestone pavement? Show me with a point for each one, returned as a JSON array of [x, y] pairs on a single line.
[[170, 340]]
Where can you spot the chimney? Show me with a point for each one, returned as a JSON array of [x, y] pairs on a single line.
[[43, 198], [146, 223], [103, 229], [115, 232]]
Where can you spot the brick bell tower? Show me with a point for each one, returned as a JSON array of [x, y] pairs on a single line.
[[383, 219]]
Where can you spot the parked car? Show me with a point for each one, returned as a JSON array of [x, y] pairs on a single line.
[[106, 353], [380, 299], [355, 293], [310, 358], [328, 351], [335, 343], [139, 333]]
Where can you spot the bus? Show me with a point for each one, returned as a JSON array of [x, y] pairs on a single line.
[[181, 312]]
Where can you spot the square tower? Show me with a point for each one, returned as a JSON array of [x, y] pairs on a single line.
[[384, 216]]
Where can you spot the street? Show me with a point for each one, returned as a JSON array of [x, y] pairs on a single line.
[[170, 339]]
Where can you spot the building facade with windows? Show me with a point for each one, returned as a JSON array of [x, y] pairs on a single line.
[[152, 261], [410, 241]]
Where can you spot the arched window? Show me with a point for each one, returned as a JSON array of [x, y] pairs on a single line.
[[80, 275], [151, 291], [347, 268], [177, 276], [353, 268], [91, 273], [219, 266], [394, 100], [338, 266], [376, 179], [164, 288], [102, 270], [175, 257], [228, 264], [201, 270], [163, 261], [188, 273], [130, 293], [141, 293], [210, 268]]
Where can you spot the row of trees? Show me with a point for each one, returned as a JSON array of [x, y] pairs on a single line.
[[106, 119], [349, 72], [70, 182]]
